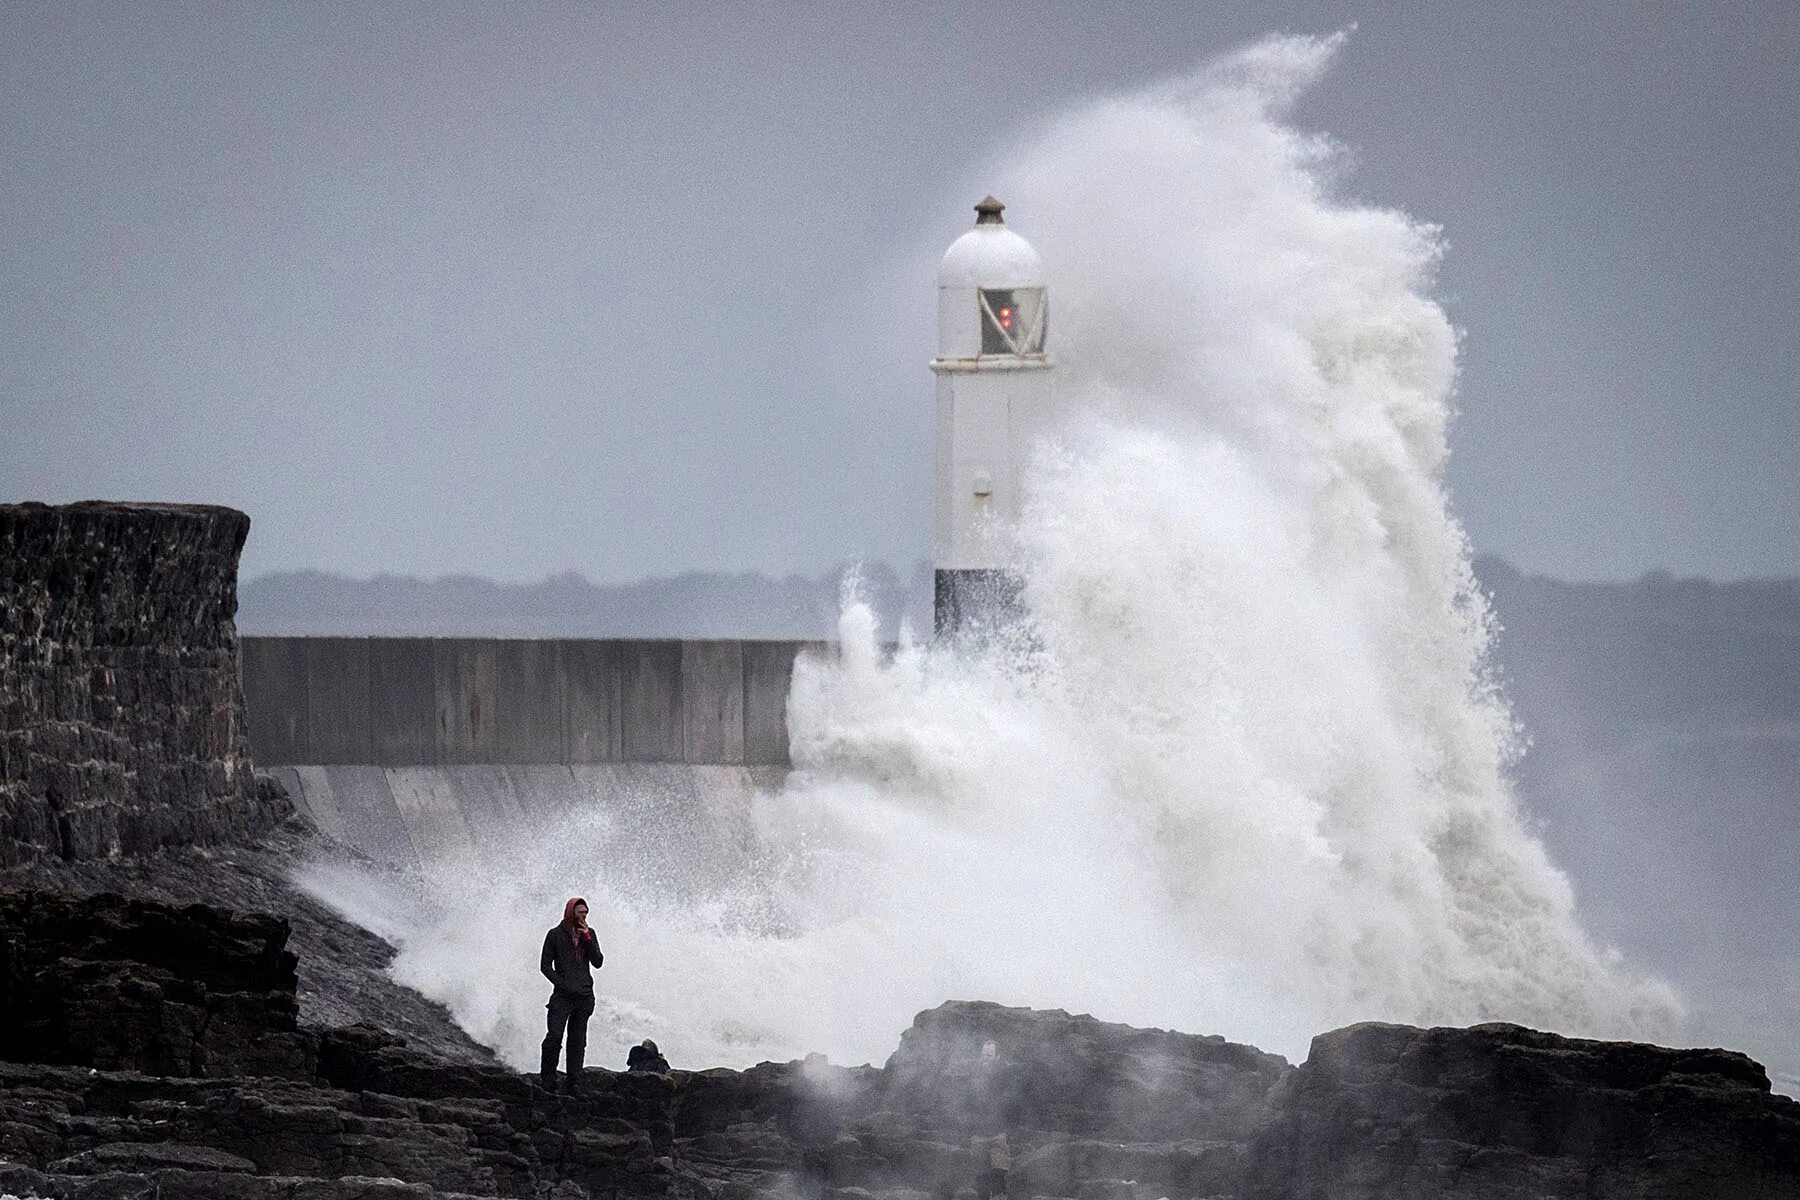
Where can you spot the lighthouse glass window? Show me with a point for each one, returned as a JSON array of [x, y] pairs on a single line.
[[1012, 320]]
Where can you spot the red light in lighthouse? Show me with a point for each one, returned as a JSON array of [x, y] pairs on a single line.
[[1006, 318]]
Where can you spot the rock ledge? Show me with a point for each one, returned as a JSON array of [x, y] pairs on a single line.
[[153, 1052]]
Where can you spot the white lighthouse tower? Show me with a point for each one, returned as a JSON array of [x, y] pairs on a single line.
[[993, 400]]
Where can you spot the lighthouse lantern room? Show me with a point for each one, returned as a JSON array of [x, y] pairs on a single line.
[[993, 402]]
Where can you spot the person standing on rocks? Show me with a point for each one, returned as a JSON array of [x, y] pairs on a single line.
[[570, 949]]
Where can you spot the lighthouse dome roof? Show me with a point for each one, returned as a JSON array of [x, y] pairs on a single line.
[[991, 256]]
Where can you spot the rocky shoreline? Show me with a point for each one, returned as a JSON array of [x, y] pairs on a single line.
[[154, 1051], [345, 978]]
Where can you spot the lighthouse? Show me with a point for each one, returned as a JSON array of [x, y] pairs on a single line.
[[993, 400]]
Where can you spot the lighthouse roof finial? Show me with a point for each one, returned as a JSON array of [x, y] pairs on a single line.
[[990, 255]]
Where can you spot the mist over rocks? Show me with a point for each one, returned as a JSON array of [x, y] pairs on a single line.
[[248, 1104]]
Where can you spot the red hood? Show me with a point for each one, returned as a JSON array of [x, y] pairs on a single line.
[[569, 909]]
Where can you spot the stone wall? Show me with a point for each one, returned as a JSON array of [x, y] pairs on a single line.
[[121, 718]]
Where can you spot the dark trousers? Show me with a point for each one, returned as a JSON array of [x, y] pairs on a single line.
[[571, 1009]]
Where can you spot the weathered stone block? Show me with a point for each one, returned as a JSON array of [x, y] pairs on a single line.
[[120, 708]]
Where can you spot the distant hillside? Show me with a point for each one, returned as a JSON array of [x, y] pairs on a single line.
[[695, 605], [1610, 655]]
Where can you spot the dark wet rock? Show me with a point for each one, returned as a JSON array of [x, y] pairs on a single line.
[[141, 1157], [1076, 1075], [133, 985], [343, 968], [122, 725], [112, 1123], [1505, 1112], [1089, 1110]]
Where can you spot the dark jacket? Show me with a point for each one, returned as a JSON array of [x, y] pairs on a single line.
[[565, 964], [646, 1058]]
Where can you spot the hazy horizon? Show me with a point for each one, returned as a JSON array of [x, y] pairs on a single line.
[[836, 570]]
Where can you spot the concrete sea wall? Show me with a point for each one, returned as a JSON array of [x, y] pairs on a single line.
[[410, 702], [122, 727], [409, 816], [411, 749]]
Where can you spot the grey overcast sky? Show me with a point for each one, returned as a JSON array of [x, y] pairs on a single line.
[[634, 289]]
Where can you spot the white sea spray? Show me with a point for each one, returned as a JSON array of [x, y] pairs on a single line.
[[1249, 776]]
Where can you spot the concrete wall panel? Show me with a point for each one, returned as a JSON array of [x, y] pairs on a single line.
[[545, 793], [613, 789], [595, 784], [701, 826], [659, 787], [274, 673], [489, 804], [448, 701], [720, 791], [712, 702], [768, 672], [431, 810], [662, 828], [402, 702], [312, 792], [337, 693], [467, 688], [655, 802], [629, 793], [593, 682], [357, 800], [531, 708], [650, 693]]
